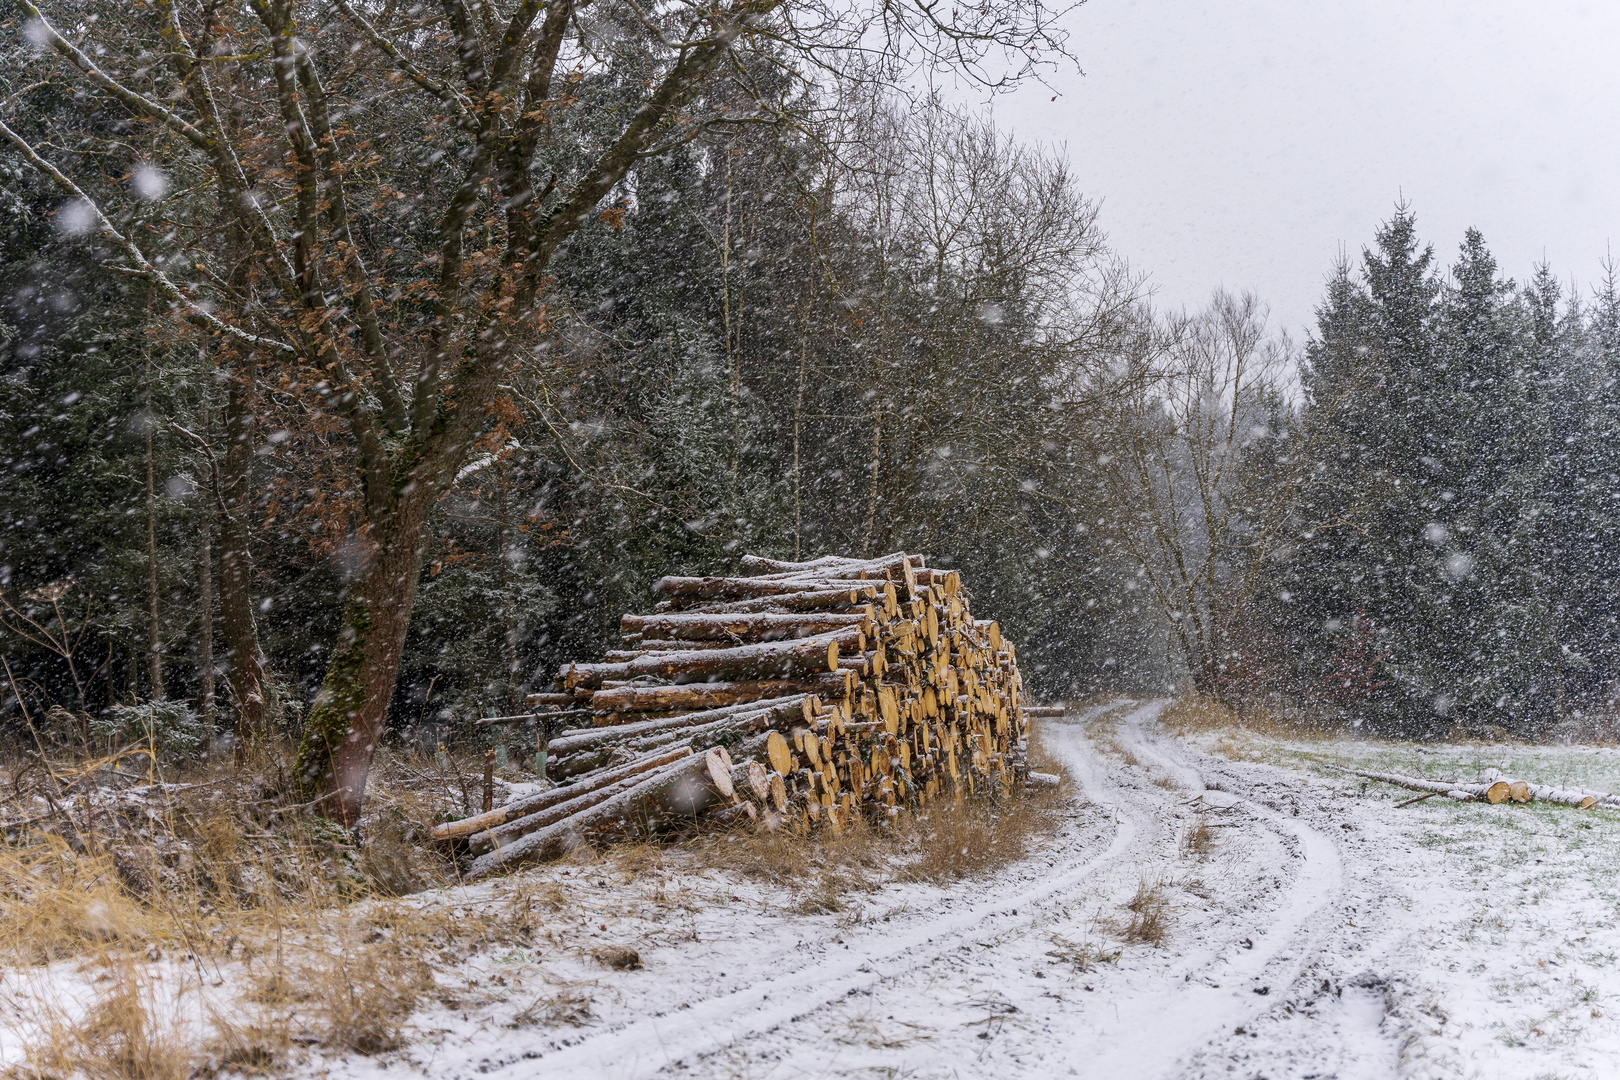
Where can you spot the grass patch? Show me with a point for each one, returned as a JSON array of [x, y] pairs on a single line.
[[1192, 713], [1198, 839], [1150, 914]]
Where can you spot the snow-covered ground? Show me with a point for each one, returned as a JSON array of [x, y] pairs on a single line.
[[1325, 933]]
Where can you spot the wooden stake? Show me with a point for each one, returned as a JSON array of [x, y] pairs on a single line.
[[489, 780]]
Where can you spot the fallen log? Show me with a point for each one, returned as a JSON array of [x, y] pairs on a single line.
[[1580, 798], [684, 789], [726, 588], [505, 833], [632, 699], [745, 625], [782, 603], [1045, 710], [898, 566], [767, 660], [530, 804], [787, 708], [1491, 791]]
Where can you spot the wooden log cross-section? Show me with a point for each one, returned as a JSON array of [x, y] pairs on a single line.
[[1492, 786], [799, 695]]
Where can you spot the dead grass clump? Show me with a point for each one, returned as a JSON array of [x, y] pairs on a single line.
[[1083, 956], [1103, 732], [245, 1047], [126, 1034], [617, 957], [943, 841], [568, 1006], [1198, 839], [58, 903], [361, 995], [826, 900], [1150, 914], [965, 837]]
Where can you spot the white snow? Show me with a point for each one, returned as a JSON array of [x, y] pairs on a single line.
[[1327, 934]]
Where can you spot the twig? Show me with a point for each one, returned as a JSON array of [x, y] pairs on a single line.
[[1419, 799], [302, 806]]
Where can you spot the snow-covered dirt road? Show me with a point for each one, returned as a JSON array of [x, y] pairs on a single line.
[[1321, 934]]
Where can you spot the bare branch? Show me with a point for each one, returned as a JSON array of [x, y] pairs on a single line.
[[191, 312]]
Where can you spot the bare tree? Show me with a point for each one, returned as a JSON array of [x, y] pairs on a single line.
[[1193, 503]]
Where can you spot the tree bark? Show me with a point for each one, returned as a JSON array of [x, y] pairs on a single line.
[[205, 624], [767, 660], [350, 711], [631, 699], [509, 626], [154, 623], [237, 619]]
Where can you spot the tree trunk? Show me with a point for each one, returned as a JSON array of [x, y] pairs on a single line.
[[205, 625], [237, 619], [798, 427], [509, 626], [154, 624], [350, 712]]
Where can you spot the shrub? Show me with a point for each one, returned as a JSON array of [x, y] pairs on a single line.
[[176, 730]]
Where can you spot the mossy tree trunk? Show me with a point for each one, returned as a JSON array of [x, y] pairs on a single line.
[[351, 710]]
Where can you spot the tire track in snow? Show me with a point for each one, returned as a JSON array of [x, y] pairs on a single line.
[[645, 1047], [1154, 1035]]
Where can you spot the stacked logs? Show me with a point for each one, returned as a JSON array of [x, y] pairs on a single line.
[[804, 694]]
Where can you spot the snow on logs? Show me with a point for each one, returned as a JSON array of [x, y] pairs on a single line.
[[1493, 787], [806, 693]]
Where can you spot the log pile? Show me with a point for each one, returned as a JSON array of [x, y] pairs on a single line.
[[801, 694], [1493, 787]]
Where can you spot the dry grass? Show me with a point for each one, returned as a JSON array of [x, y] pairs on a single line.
[[210, 931], [1083, 956], [618, 957], [946, 840], [1150, 914], [214, 934], [127, 1033], [1191, 713], [1198, 840]]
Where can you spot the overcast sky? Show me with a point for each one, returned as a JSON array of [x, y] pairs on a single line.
[[1243, 143]]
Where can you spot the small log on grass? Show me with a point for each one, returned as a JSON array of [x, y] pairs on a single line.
[[1492, 791]]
